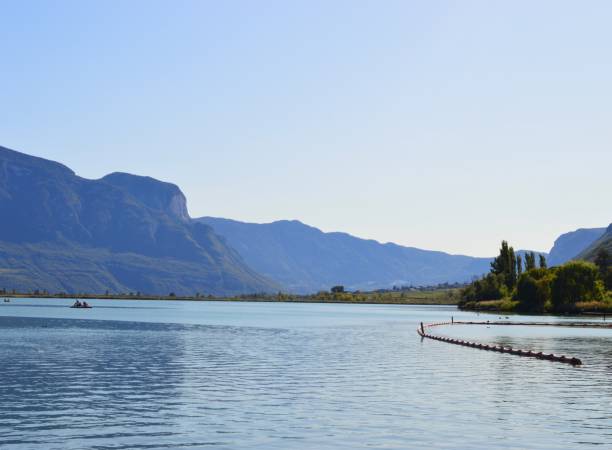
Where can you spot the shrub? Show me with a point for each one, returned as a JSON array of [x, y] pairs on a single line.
[[575, 281], [533, 290], [490, 287]]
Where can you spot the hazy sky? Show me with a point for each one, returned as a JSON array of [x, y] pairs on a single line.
[[442, 125]]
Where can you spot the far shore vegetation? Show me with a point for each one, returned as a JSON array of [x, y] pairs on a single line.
[[515, 283], [442, 294], [529, 286]]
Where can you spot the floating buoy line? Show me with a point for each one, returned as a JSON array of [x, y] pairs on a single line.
[[423, 331]]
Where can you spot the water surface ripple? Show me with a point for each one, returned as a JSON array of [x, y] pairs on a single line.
[[270, 376]]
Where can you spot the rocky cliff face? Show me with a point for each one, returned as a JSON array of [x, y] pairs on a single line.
[[569, 245], [164, 197], [134, 232]]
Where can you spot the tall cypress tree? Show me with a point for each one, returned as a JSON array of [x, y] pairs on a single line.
[[505, 265], [519, 265], [543, 264], [500, 263], [529, 261], [602, 261], [511, 276]]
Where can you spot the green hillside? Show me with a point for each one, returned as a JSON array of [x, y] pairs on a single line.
[[603, 243]]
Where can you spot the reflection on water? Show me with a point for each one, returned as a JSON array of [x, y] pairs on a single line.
[[363, 379]]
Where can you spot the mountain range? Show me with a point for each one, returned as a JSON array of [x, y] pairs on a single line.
[[126, 233], [121, 233], [305, 259]]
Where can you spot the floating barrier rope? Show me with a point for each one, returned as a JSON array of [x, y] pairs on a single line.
[[422, 330]]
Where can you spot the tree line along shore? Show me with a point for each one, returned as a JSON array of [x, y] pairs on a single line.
[[524, 285], [444, 294]]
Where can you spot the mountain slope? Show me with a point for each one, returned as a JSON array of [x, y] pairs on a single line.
[[120, 233], [604, 242], [304, 259], [569, 245]]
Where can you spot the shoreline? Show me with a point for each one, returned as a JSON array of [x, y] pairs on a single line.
[[405, 302], [496, 307], [411, 301]]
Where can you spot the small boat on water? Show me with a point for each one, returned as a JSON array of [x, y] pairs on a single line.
[[78, 304], [7, 300]]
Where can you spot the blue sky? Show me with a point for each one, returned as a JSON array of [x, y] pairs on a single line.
[[441, 125]]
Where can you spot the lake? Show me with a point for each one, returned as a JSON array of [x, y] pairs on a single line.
[[220, 375]]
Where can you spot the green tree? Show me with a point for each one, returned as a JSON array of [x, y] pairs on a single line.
[[532, 294], [512, 276], [490, 287], [575, 281], [607, 279], [529, 261], [543, 261], [519, 265], [602, 260], [505, 264], [604, 263]]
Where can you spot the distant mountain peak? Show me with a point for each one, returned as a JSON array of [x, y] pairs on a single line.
[[8, 156], [156, 194], [290, 221]]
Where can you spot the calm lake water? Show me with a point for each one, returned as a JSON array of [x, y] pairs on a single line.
[[214, 375]]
